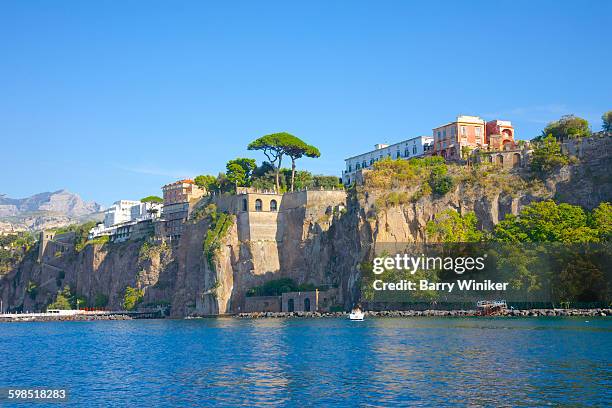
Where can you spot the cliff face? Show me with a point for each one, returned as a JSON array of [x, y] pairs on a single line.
[[319, 242]]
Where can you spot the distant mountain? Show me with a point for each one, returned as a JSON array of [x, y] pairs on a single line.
[[45, 210]]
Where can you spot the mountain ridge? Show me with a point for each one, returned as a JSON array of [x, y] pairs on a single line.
[[45, 210]]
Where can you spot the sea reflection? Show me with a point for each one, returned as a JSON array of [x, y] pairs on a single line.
[[303, 362]]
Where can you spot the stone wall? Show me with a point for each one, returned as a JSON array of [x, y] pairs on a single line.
[[262, 304]]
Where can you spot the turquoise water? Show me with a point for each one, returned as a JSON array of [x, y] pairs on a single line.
[[324, 362]]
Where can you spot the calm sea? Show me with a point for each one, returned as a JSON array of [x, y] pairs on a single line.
[[324, 362]]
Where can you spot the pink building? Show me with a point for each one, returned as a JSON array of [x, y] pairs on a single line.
[[465, 131]]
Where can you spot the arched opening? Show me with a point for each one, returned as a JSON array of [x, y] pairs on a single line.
[[490, 159], [290, 305], [507, 133], [516, 160], [245, 204], [273, 205], [258, 205], [500, 159], [307, 305]]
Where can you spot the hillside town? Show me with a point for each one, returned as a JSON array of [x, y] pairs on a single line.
[[465, 140], [269, 211]]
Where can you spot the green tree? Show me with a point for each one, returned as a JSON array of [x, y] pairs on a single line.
[[236, 175], [546, 221], [62, 299], [152, 199], [569, 126], [547, 155], [601, 220], [273, 147], [296, 148], [607, 121], [132, 297], [206, 182], [240, 171], [276, 145], [450, 226]]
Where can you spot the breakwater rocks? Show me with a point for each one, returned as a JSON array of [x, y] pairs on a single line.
[[434, 313], [75, 318]]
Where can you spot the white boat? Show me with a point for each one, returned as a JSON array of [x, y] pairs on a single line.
[[356, 314]]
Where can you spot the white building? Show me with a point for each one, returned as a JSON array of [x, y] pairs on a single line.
[[121, 211], [407, 149], [125, 212]]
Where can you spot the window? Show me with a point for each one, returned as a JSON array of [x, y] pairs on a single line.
[[290, 305], [258, 205], [273, 205], [478, 132], [398, 154], [439, 135], [307, 305], [463, 131], [371, 162], [444, 133], [245, 205], [364, 164], [414, 149], [407, 152], [357, 166]]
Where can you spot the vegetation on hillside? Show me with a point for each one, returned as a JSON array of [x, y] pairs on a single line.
[[219, 225], [13, 248], [66, 298], [547, 221], [132, 297], [277, 287], [450, 226], [547, 155]]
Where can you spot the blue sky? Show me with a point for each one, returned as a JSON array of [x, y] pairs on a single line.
[[112, 99]]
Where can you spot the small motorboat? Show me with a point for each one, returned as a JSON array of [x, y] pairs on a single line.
[[356, 314]]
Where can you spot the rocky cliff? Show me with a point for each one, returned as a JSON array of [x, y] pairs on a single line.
[[320, 242]]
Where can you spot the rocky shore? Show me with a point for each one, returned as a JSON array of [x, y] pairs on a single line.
[[75, 318], [434, 313]]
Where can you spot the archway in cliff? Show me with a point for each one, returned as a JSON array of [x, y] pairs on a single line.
[[307, 305], [516, 160]]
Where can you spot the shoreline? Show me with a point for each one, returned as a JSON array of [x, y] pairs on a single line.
[[598, 312], [72, 318]]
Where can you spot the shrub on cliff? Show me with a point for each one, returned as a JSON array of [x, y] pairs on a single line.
[[450, 226], [547, 155], [440, 182], [388, 173], [219, 225], [132, 297], [62, 299]]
